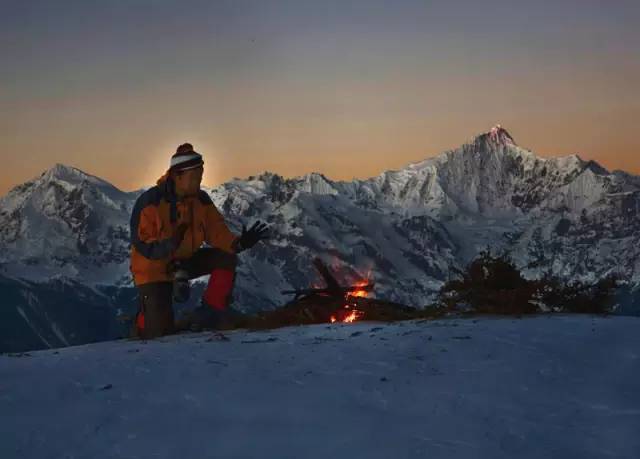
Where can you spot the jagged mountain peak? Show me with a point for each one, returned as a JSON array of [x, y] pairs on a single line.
[[497, 135], [575, 161], [265, 176], [488, 141], [62, 180], [271, 178], [64, 172], [73, 176], [61, 169], [316, 176], [596, 168], [317, 183], [314, 182]]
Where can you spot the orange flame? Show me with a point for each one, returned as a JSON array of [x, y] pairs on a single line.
[[353, 316], [349, 316], [358, 293]]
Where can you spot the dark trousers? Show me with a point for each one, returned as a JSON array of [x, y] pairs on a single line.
[[155, 314]]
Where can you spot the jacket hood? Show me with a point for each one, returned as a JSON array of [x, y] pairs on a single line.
[[163, 178]]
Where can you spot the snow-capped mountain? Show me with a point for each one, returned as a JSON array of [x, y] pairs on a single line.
[[565, 214], [406, 230], [66, 224]]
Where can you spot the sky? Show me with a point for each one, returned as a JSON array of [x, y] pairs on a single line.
[[345, 88]]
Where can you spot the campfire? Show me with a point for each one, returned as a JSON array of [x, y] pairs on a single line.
[[350, 313], [346, 297], [347, 316], [333, 303]]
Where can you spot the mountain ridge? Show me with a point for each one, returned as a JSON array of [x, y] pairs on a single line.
[[66, 233], [410, 229]]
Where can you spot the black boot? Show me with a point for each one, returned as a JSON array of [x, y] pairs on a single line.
[[204, 318], [181, 288]]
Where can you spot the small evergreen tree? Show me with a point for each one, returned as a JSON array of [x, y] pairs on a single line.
[[492, 284]]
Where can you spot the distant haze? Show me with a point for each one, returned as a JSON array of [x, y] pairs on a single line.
[[348, 89]]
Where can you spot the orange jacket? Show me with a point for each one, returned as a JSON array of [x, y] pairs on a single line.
[[156, 215]]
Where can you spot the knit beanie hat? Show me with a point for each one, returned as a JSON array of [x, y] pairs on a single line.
[[185, 158]]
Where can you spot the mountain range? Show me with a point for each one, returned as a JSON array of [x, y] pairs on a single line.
[[64, 236]]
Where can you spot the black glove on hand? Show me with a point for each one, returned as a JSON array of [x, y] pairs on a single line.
[[251, 237]]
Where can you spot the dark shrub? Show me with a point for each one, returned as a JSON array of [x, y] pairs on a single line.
[[492, 284]]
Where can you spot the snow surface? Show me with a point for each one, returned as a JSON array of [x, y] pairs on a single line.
[[544, 387]]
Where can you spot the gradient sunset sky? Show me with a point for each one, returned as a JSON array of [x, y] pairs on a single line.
[[346, 88]]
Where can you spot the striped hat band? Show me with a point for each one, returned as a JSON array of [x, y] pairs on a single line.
[[184, 161]]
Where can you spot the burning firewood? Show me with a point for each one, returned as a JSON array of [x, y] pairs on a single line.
[[334, 303], [333, 288]]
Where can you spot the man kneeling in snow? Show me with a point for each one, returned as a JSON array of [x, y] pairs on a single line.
[[169, 223]]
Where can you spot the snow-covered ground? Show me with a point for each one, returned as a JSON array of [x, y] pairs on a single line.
[[545, 387]]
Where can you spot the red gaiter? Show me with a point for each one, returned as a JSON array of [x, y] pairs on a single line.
[[219, 289], [140, 321]]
